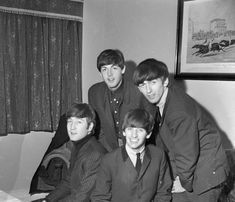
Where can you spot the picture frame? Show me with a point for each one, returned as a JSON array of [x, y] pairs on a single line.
[[205, 46]]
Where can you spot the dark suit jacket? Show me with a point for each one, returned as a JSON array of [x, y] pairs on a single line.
[[117, 179], [98, 96], [193, 142], [82, 175]]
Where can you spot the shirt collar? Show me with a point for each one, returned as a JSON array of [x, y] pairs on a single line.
[[162, 101], [131, 152]]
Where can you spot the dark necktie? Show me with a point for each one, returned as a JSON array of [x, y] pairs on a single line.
[[138, 163], [158, 139], [158, 117], [157, 121]]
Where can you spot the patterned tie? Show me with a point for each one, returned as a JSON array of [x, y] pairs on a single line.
[[138, 163]]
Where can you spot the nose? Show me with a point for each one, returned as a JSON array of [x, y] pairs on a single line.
[[110, 72], [148, 88], [73, 125], [134, 132]]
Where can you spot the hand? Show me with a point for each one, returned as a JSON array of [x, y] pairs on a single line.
[[177, 187]]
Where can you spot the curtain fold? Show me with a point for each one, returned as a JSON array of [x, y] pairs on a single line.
[[40, 71]]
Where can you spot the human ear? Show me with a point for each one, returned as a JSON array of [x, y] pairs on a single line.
[[148, 136], [124, 133], [166, 82], [124, 69], [90, 127]]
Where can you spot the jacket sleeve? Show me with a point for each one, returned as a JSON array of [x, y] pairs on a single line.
[[92, 101], [88, 177], [184, 131], [99, 129], [164, 187], [62, 190], [102, 191]]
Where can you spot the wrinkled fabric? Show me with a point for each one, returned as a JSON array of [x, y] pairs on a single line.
[[40, 71]]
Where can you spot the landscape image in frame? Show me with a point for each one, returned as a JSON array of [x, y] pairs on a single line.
[[208, 36]]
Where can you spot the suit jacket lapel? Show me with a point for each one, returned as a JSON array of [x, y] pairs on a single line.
[[146, 162], [126, 96], [127, 161], [164, 129]]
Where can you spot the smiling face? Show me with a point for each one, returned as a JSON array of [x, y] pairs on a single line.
[[153, 89], [112, 76], [135, 138], [78, 128]]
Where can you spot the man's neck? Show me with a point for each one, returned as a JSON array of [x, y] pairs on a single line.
[[135, 151], [117, 90], [117, 87]]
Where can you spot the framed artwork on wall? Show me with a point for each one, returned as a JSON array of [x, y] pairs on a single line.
[[205, 40]]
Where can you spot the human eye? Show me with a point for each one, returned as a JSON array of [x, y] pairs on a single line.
[[128, 129], [69, 121], [115, 67], [141, 85], [103, 69], [154, 81], [78, 122], [141, 130]]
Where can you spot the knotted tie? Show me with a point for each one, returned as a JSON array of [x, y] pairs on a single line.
[[138, 163]]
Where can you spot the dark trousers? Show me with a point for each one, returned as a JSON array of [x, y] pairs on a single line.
[[211, 195]]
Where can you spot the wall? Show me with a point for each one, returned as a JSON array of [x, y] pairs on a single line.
[[147, 28]]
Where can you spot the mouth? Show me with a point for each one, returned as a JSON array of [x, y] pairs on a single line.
[[134, 141], [73, 133], [151, 96], [111, 80]]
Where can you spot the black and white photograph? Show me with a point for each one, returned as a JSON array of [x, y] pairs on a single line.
[[117, 101]]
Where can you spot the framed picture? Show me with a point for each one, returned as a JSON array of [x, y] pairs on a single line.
[[206, 40]]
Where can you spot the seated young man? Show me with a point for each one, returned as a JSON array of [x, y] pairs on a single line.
[[85, 157], [134, 172]]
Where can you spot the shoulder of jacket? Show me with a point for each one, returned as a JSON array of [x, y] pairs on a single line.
[[92, 149], [97, 85], [112, 156], [131, 89], [155, 150]]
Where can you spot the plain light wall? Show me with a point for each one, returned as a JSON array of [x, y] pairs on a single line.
[[141, 29]]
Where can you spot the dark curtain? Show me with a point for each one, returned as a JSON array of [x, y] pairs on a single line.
[[40, 71]]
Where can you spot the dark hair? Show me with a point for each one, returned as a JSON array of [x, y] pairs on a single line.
[[81, 110], [150, 69], [138, 118], [110, 57]]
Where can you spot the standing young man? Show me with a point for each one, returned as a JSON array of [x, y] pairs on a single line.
[[187, 133], [113, 98]]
